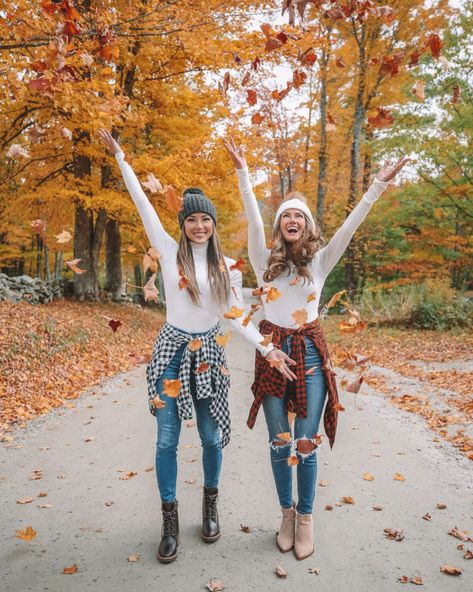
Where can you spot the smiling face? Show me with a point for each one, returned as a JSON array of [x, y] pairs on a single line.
[[198, 227], [292, 224]]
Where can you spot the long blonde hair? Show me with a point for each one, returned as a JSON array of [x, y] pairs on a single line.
[[219, 277], [299, 253]]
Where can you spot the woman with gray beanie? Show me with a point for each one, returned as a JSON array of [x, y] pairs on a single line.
[[188, 368]]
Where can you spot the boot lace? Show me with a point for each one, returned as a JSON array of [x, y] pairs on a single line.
[[211, 505], [169, 522]]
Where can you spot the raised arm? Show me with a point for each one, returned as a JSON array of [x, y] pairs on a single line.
[[157, 236], [257, 251], [274, 356], [331, 253]]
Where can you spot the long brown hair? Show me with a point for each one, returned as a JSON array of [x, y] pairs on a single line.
[[299, 253], [219, 277]]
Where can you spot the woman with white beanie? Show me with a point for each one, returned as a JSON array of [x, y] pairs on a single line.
[[290, 277]]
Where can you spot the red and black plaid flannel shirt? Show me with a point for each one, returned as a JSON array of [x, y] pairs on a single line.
[[270, 382]]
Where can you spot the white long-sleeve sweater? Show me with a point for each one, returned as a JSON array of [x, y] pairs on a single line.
[[181, 312], [294, 297]]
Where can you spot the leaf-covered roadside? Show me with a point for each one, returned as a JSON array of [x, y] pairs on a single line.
[[405, 351], [53, 352]]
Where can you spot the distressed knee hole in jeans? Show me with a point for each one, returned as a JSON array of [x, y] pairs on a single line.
[[280, 445], [305, 447]]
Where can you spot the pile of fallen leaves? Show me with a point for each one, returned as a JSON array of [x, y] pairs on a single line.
[[401, 350], [52, 352]]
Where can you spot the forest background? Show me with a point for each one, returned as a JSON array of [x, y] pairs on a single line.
[[320, 92]]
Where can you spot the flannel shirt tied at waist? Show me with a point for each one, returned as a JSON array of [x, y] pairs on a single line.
[[213, 382], [270, 382]]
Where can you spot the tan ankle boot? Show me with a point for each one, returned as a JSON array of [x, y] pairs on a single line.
[[285, 538], [304, 540]]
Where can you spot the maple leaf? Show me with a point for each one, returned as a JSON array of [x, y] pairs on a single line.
[[272, 294], [335, 298], [72, 569], [234, 313], [194, 344], [338, 406], [292, 461], [300, 317], [223, 340], [255, 63], [173, 200], [390, 64], [133, 558], [171, 388], [399, 477], [435, 44], [257, 118], [266, 341], [298, 78], [355, 386], [394, 534], [157, 402], [27, 534], [382, 119], [114, 324], [330, 123], [202, 367], [286, 436], [63, 237], [307, 57], [183, 280], [240, 265], [266, 29], [237, 58], [150, 290], [272, 43], [223, 86], [73, 265], [153, 184], [450, 570], [251, 96]]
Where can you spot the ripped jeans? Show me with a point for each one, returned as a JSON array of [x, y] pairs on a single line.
[[304, 428]]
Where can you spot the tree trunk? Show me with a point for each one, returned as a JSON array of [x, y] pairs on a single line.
[[350, 272], [361, 251], [321, 181], [113, 264]]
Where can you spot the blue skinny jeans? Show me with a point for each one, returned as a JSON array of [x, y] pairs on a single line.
[[304, 428], [169, 429]]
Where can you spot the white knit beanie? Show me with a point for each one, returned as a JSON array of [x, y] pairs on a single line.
[[296, 204]]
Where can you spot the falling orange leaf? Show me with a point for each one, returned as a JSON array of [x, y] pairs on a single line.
[[273, 294], [291, 417], [224, 370], [300, 317], [223, 340], [267, 340], [338, 406], [296, 280], [335, 298], [310, 371], [183, 280], [240, 265], [260, 291], [73, 265], [354, 387], [312, 296], [234, 313], [202, 367], [286, 436], [194, 344], [171, 388], [292, 460], [28, 534], [157, 402]]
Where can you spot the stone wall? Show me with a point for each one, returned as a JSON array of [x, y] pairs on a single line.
[[28, 289]]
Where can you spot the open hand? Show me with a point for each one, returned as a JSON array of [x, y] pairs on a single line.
[[237, 153], [388, 171], [106, 137], [280, 360]]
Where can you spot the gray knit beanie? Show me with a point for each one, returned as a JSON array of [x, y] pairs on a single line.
[[194, 200]]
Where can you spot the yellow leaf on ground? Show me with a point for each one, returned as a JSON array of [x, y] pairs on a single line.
[[28, 534], [72, 569], [399, 477], [368, 477]]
